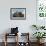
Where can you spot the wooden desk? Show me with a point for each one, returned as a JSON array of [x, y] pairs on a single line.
[[17, 43]]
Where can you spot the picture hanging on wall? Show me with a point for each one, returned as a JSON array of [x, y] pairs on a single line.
[[41, 12], [41, 8], [17, 13]]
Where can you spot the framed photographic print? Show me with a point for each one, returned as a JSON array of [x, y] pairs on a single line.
[[41, 8], [18, 13], [41, 12]]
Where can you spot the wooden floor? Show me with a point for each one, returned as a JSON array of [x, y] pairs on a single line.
[[13, 44]]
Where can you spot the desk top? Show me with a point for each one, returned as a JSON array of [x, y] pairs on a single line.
[[9, 34]]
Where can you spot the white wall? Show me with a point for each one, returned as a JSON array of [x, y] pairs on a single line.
[[24, 25]]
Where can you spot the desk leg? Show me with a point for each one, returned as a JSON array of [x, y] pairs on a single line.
[[5, 40], [17, 40], [5, 43]]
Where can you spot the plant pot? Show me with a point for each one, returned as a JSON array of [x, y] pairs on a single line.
[[40, 41]]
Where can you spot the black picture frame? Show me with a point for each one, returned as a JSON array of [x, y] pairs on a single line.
[[17, 13]]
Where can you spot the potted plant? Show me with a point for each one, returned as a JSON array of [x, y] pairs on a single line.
[[39, 35]]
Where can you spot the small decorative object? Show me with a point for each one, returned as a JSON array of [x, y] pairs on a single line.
[[14, 30], [18, 13], [22, 44]]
